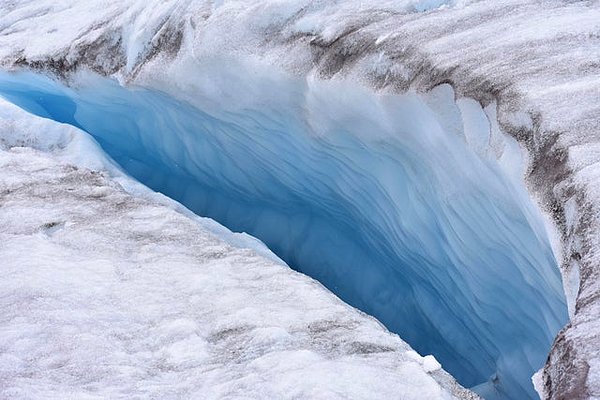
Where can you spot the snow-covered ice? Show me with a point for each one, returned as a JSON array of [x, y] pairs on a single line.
[[105, 294], [416, 221], [532, 65]]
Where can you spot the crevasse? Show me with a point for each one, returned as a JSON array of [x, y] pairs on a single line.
[[409, 207]]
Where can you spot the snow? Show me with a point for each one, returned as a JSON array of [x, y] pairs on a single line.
[[430, 364], [535, 60], [328, 176], [124, 297]]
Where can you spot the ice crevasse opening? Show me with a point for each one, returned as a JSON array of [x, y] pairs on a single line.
[[409, 207]]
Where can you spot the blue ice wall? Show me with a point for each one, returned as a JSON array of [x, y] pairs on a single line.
[[372, 195]]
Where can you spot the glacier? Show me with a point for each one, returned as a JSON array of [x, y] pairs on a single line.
[[357, 76], [398, 204], [111, 290]]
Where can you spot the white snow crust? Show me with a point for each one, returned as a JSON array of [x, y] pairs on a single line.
[[537, 59], [108, 294]]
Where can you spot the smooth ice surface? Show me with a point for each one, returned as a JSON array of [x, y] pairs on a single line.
[[408, 207], [106, 295]]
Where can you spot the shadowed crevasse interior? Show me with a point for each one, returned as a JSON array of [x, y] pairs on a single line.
[[397, 203]]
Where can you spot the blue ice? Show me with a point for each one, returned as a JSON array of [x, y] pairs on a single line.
[[372, 195]]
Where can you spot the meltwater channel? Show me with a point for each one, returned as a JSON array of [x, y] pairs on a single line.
[[405, 206]]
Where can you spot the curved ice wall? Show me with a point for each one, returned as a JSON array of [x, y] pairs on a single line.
[[409, 207]]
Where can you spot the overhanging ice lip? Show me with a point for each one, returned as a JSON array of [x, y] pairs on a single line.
[[391, 201]]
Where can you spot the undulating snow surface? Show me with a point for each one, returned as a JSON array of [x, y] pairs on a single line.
[[532, 64], [105, 294]]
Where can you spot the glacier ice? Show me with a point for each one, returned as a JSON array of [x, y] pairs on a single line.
[[409, 207], [535, 59], [107, 293]]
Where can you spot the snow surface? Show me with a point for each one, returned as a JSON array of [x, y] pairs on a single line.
[[106, 294], [427, 228], [537, 59]]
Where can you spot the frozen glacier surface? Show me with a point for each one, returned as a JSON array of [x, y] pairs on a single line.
[[108, 293], [356, 73], [409, 207]]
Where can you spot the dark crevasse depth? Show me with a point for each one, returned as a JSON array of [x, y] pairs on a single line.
[[378, 197]]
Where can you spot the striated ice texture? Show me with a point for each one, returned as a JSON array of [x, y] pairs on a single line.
[[409, 207], [109, 293]]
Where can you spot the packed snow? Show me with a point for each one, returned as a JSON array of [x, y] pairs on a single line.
[[110, 294], [361, 200], [532, 65]]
